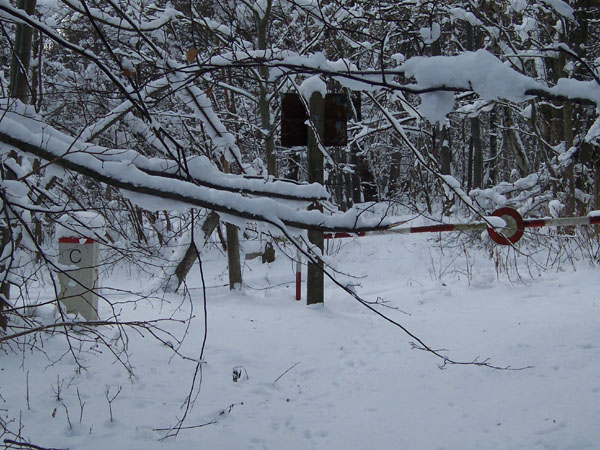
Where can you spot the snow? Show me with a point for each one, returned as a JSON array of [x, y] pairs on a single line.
[[555, 207], [311, 85], [528, 25], [495, 197], [593, 134], [527, 182], [436, 105], [495, 221], [462, 14], [87, 224], [127, 64], [578, 89], [518, 5], [480, 71], [167, 15], [430, 34], [333, 376], [456, 188], [562, 8]]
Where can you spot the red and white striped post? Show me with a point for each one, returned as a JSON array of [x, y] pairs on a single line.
[[298, 273]]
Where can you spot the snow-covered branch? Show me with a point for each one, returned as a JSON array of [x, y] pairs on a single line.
[[158, 179]]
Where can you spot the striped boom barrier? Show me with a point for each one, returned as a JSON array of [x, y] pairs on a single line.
[[515, 225], [510, 233]]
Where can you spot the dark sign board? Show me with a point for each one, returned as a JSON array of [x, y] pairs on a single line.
[[294, 131]]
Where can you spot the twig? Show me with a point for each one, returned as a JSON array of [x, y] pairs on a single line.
[[277, 379], [140, 324], [27, 392], [229, 408], [68, 417], [189, 427], [81, 406], [197, 377], [29, 445], [111, 400]]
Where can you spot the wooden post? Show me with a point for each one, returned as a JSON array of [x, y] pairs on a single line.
[[233, 257], [314, 279]]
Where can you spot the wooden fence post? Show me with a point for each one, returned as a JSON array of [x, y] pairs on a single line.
[[314, 279]]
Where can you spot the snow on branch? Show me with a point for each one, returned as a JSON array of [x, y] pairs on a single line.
[[200, 170], [166, 15], [119, 168], [480, 72]]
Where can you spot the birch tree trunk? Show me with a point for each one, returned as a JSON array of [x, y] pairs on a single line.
[[263, 100]]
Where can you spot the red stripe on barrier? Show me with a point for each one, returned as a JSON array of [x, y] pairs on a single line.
[[75, 240], [594, 220], [432, 228], [534, 223]]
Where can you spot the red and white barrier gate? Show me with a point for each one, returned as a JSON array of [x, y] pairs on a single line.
[[510, 233]]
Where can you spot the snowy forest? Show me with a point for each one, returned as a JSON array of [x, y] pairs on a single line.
[[191, 142]]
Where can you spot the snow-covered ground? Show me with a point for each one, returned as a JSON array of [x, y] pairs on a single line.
[[334, 376]]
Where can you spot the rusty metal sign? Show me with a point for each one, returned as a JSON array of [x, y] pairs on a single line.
[[294, 131]]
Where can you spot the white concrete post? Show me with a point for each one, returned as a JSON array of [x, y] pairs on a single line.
[[78, 258]]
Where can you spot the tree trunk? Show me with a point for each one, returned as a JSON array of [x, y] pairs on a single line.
[[263, 101], [475, 148], [470, 164], [493, 158], [395, 173], [477, 153], [22, 55], [567, 116], [513, 144], [445, 151], [233, 256], [18, 89], [356, 192], [182, 269], [4, 286], [231, 231], [597, 187]]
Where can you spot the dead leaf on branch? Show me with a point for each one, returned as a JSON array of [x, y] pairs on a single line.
[[191, 54]]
